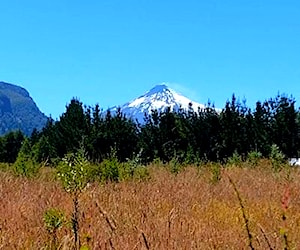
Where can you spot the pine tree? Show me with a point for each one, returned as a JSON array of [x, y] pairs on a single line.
[[12, 143], [285, 125], [71, 128]]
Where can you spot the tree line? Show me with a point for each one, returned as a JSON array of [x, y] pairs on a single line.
[[185, 135]]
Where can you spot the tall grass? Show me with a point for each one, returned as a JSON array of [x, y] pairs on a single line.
[[165, 211]]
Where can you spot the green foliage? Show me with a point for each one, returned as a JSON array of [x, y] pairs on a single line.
[[25, 165], [127, 171], [253, 158], [285, 125], [73, 171], [84, 248], [190, 156], [42, 150], [10, 145], [133, 169], [175, 166], [5, 167], [277, 158], [216, 172], [235, 160], [109, 170], [115, 171], [71, 128], [53, 220], [141, 173]]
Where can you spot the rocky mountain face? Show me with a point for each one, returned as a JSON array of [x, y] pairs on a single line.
[[18, 110], [158, 98]]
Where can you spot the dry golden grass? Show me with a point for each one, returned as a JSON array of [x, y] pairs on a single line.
[[185, 211]]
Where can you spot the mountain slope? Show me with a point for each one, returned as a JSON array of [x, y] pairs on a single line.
[[18, 110], [158, 98]]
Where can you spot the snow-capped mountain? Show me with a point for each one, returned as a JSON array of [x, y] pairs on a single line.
[[158, 98]]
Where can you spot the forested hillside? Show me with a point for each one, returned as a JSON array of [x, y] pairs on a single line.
[[186, 136]]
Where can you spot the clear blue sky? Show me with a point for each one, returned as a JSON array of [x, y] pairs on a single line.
[[111, 51]]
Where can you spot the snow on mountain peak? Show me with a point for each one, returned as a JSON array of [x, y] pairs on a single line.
[[157, 89], [158, 98]]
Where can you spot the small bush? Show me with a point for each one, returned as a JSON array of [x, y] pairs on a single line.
[[235, 160], [73, 171], [253, 158], [113, 170], [109, 170], [4, 167], [141, 173], [216, 172], [53, 221], [127, 169], [175, 166], [25, 165], [277, 158]]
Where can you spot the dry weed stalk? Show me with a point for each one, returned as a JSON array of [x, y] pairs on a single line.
[[266, 238], [285, 205], [171, 216], [110, 222], [147, 245], [245, 218]]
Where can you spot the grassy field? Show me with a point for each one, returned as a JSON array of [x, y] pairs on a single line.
[[166, 211]]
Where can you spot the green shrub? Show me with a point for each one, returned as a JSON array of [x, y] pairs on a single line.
[[253, 158], [133, 168], [277, 158], [109, 170], [25, 165], [5, 166], [175, 166], [190, 156], [235, 160], [141, 173], [113, 170], [53, 221], [216, 173], [73, 171]]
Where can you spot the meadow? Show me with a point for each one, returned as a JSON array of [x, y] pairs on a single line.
[[198, 207]]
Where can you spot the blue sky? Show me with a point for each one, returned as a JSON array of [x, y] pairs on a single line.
[[111, 51]]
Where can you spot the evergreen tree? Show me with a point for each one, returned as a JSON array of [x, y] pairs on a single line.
[[48, 146], [148, 137], [11, 145], [43, 151], [94, 146], [230, 129], [285, 125], [71, 128], [120, 133]]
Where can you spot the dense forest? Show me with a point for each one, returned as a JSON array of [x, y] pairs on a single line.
[[188, 136]]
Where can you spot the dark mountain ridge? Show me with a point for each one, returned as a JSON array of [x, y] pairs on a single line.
[[18, 110]]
